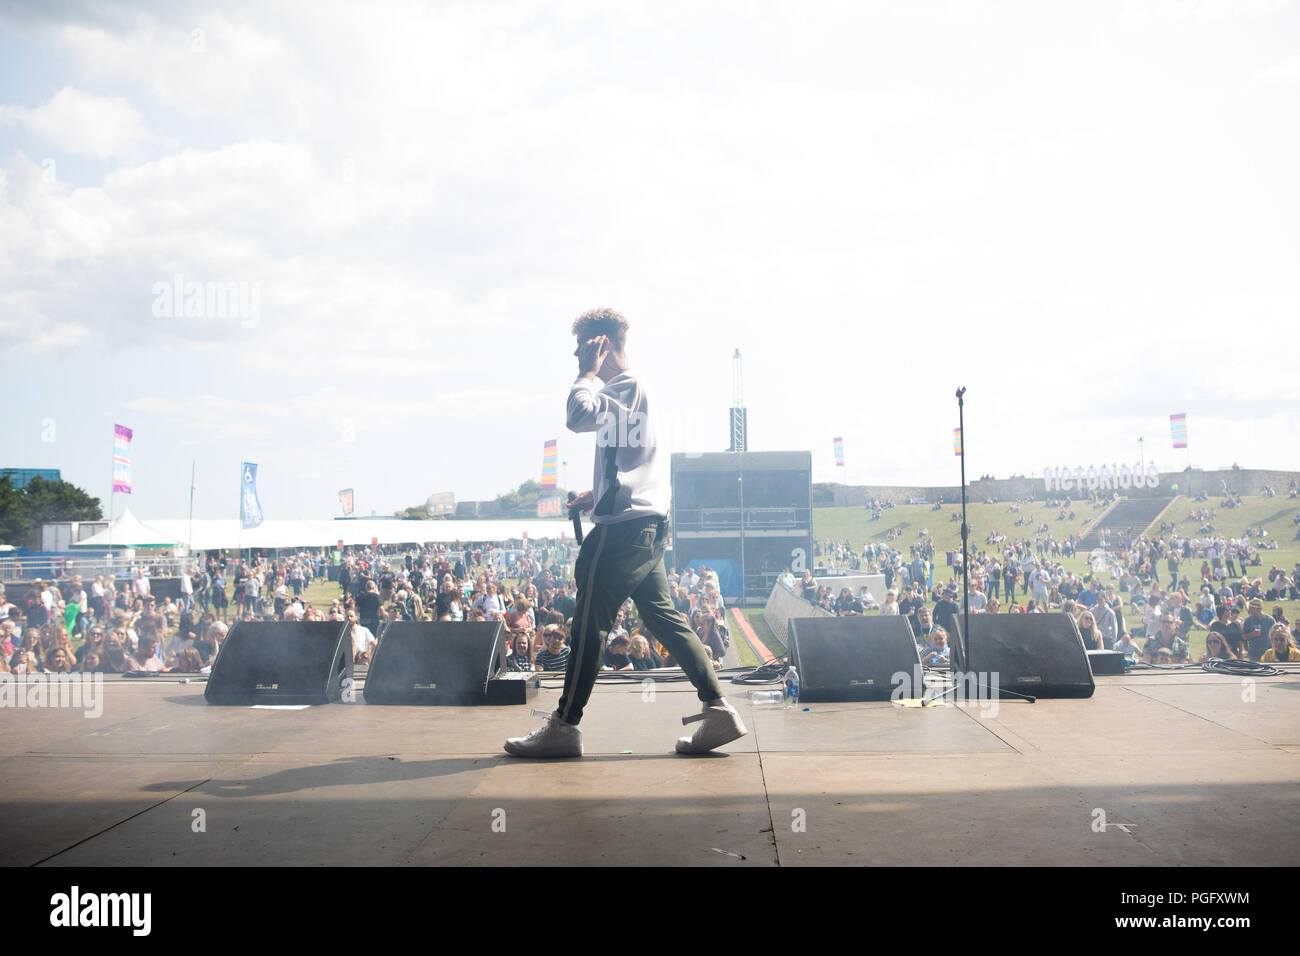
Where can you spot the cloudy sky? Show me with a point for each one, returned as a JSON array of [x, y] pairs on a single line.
[[1085, 213]]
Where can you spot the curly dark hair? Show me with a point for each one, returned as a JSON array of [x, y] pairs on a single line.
[[602, 322]]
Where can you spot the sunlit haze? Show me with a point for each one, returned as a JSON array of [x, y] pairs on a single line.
[[1083, 213]]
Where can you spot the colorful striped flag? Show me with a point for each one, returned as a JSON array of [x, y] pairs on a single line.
[[956, 441], [839, 452], [549, 456], [122, 459], [1178, 429]]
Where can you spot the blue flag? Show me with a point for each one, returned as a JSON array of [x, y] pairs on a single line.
[[250, 509]]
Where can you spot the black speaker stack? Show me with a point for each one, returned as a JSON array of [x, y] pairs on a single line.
[[310, 662], [867, 658]]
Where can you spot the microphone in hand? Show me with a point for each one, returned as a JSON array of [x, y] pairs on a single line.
[[575, 516]]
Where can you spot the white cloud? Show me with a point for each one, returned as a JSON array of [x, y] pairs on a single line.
[[73, 121], [1285, 72], [876, 203]]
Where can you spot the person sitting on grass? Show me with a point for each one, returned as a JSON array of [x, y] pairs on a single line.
[[1181, 613], [188, 661], [1091, 634], [146, 656], [1126, 646], [1166, 639], [1283, 647], [1205, 611], [210, 642], [1216, 648], [936, 652]]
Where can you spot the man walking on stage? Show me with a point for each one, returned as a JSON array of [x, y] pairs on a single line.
[[623, 554]]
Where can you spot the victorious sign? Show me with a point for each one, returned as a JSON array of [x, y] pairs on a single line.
[[1106, 478]]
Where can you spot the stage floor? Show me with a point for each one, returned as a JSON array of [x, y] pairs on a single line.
[[1184, 770]]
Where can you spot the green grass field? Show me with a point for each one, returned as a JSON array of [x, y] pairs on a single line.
[[854, 525], [764, 633]]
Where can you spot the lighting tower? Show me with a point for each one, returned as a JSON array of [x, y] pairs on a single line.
[[738, 418]]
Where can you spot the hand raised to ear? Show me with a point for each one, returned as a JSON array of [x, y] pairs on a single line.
[[592, 353]]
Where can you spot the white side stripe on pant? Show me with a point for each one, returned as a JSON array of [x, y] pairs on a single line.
[[586, 620]]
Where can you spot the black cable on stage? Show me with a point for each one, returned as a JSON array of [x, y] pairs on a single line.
[[768, 673], [658, 675], [1217, 665]]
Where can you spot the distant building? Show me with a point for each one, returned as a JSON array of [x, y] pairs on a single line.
[[21, 477]]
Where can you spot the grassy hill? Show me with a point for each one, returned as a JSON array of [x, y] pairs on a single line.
[[1275, 515], [855, 525]]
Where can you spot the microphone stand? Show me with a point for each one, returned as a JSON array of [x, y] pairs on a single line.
[[965, 593], [962, 642]]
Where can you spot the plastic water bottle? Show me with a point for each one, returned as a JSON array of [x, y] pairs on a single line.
[[767, 698], [791, 682]]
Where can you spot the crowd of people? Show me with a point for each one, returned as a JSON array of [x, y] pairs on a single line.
[[534, 598], [1142, 594], [120, 626], [1206, 586]]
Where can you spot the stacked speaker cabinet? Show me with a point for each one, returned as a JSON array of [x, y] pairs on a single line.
[[747, 515]]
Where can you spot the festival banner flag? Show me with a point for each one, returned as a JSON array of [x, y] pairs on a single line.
[[122, 459], [956, 441], [549, 456], [250, 509], [1178, 429], [839, 452], [345, 499]]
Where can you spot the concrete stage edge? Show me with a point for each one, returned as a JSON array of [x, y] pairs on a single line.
[[1185, 768]]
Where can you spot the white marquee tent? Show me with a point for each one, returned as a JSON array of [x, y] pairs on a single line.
[[211, 535], [128, 531]]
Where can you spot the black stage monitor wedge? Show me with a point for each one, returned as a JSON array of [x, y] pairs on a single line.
[[436, 662], [275, 662], [513, 687], [1106, 663], [1041, 655], [854, 657]]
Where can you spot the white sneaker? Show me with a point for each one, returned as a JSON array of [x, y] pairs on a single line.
[[718, 725], [555, 738]]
